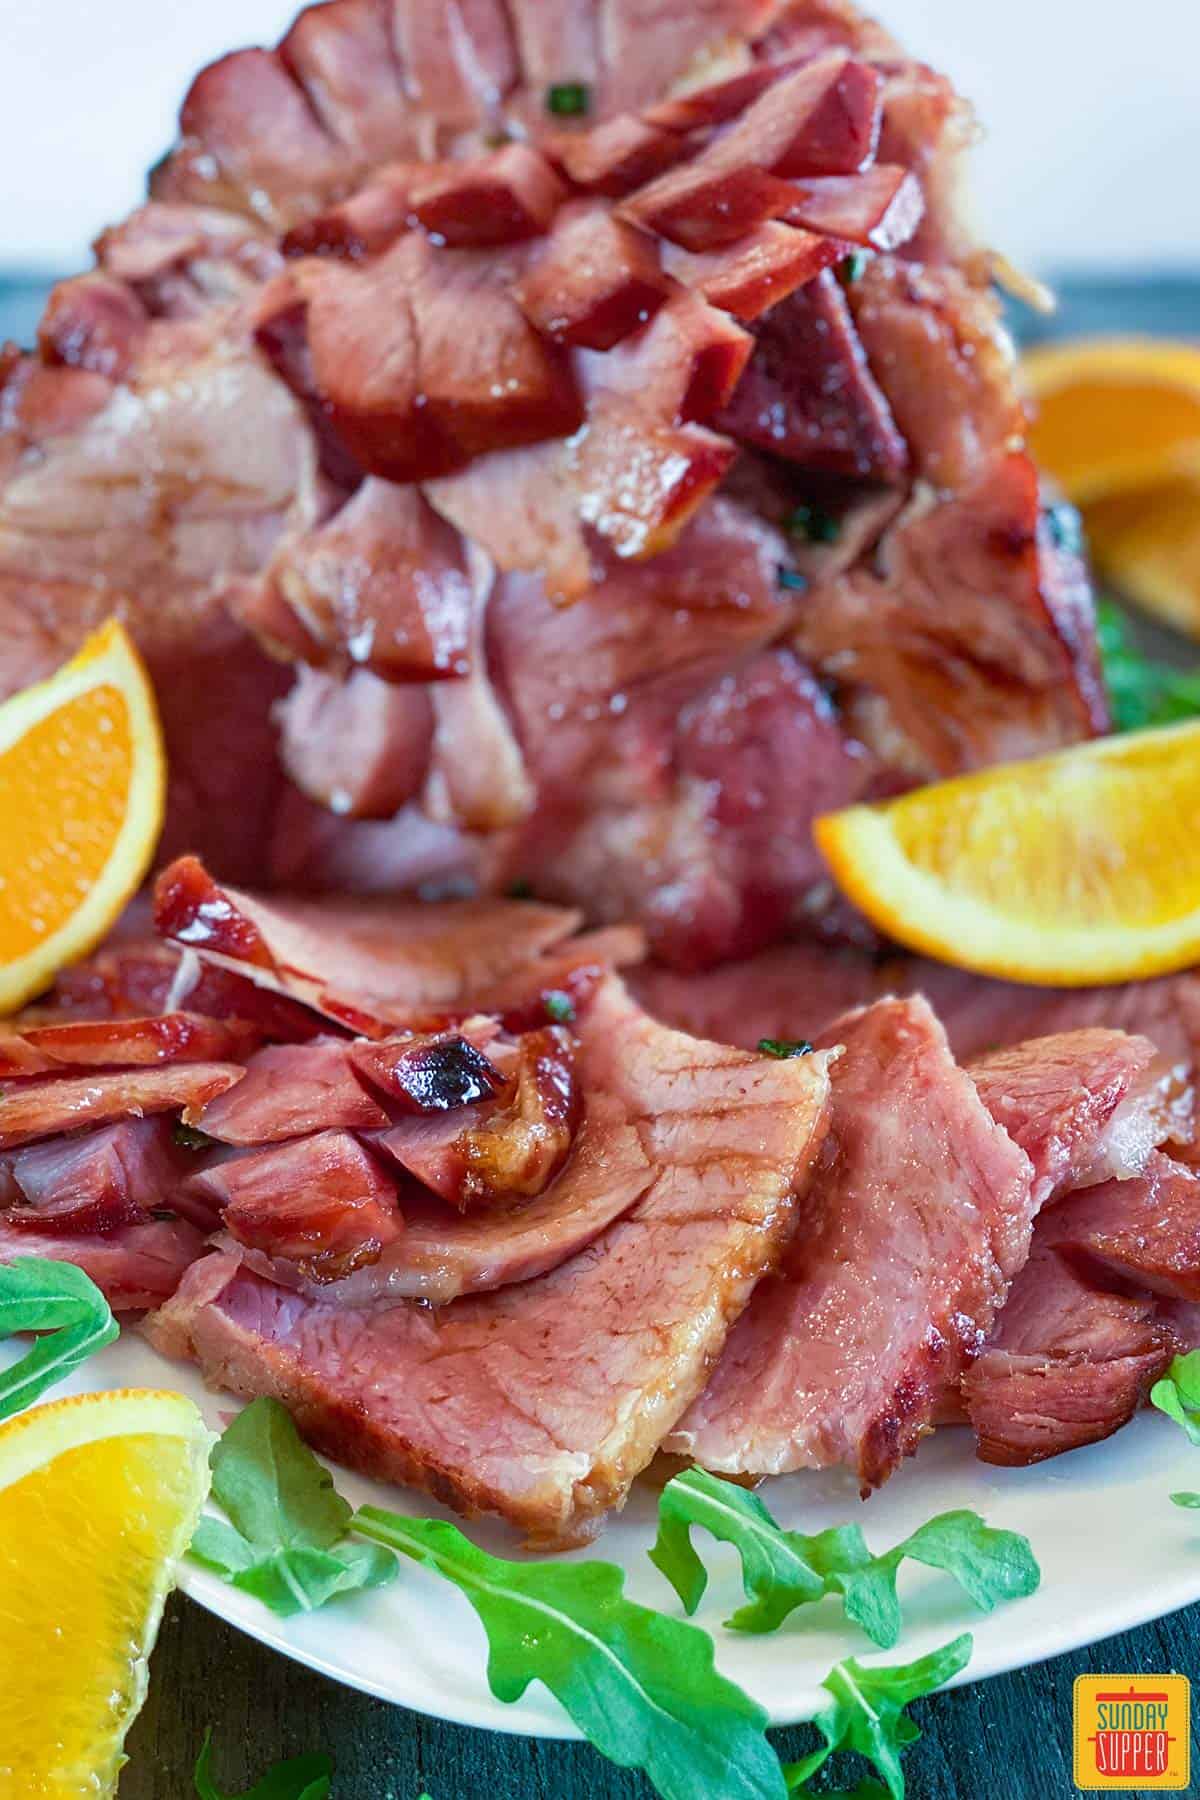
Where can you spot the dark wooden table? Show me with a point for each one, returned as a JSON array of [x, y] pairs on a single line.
[[1006, 1739]]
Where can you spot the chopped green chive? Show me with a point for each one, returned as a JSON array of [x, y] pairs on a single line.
[[569, 99], [559, 1006], [791, 579], [188, 1138], [813, 523], [520, 889], [784, 1049], [852, 267]]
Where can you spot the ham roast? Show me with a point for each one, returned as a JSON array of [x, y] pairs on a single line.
[[547, 454], [566, 444]]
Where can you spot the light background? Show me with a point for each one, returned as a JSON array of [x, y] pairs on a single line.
[[1092, 109]]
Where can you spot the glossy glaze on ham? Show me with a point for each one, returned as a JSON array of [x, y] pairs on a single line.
[[543, 1400], [917, 1219], [709, 355]]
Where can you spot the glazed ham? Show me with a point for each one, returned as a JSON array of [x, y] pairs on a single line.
[[322, 1204], [43, 1107], [441, 316], [367, 965], [915, 1223], [628, 1327], [1094, 1319]]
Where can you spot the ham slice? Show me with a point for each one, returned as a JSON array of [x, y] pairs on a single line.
[[1093, 1319], [543, 1400], [42, 1107], [368, 964], [822, 119], [94, 1181], [125, 980], [443, 1254], [135, 1267], [796, 990], [382, 584], [1068, 1365], [810, 395], [915, 1224], [288, 1091], [1142, 1233], [1059, 1098], [361, 747], [322, 1204], [122, 1043], [428, 1073], [594, 282]]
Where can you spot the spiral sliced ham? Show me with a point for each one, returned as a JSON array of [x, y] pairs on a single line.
[[434, 304]]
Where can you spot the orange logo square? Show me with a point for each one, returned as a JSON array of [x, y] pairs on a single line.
[[1132, 1731]]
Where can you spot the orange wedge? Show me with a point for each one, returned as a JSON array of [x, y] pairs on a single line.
[[1073, 869], [1114, 414], [99, 1497], [1147, 545], [82, 785]]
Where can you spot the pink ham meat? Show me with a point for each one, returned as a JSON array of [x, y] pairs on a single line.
[[43, 1107], [441, 1255], [137, 1267], [1069, 1364], [143, 493], [396, 338], [123, 1043], [288, 1091], [109, 1200], [95, 1181], [916, 1222], [456, 1399], [368, 965], [382, 584], [321, 1205], [796, 990], [1142, 1233], [1074, 1103]]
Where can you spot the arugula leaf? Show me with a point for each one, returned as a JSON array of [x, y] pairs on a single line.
[[866, 1714], [303, 1778], [1143, 693], [287, 1543], [782, 1570], [642, 1687], [37, 1294], [1178, 1394], [1192, 1501]]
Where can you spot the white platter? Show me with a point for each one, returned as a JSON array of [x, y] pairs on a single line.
[[1114, 1553]]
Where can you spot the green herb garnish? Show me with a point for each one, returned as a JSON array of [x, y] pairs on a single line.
[[852, 267], [641, 1686], [1178, 1394], [791, 579], [784, 1048], [521, 889], [813, 523], [303, 1778], [866, 1713], [286, 1543], [38, 1294], [782, 1570], [559, 1006], [188, 1138], [569, 99], [1142, 692]]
